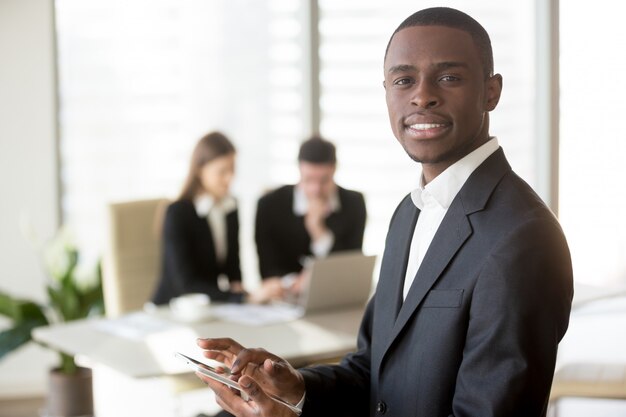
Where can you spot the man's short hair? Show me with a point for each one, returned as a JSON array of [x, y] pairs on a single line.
[[317, 150], [455, 19]]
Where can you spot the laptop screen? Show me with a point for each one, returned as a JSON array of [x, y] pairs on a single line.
[[341, 280]]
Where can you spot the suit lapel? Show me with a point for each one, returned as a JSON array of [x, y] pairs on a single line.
[[393, 269], [454, 230]]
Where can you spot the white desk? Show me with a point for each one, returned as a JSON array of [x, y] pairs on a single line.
[[133, 365], [595, 335], [142, 353]]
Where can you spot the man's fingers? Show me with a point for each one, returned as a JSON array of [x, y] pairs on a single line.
[[221, 344], [223, 350], [263, 402], [277, 368], [255, 392], [251, 356], [274, 368], [218, 356], [228, 398], [239, 358]]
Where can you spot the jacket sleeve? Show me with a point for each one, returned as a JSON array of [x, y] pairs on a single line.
[[269, 254], [233, 263], [519, 312], [358, 225], [353, 223], [183, 270], [345, 386]]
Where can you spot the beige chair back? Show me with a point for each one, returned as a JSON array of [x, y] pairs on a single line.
[[131, 262], [132, 255]]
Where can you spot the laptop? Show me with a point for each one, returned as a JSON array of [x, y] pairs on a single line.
[[342, 280]]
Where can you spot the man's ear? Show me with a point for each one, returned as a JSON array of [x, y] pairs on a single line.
[[493, 87]]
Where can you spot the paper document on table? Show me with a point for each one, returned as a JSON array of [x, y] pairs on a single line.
[[255, 314], [136, 325]]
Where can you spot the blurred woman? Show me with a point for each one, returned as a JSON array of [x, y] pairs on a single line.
[[201, 229]]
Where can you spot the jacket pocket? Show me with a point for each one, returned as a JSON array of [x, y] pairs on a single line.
[[443, 299]]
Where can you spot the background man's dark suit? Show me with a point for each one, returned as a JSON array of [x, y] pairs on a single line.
[[189, 262], [498, 273], [281, 237]]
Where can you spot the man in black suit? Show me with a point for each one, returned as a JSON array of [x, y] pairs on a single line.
[[475, 284], [310, 219]]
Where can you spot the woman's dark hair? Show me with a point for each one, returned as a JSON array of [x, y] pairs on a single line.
[[211, 146]]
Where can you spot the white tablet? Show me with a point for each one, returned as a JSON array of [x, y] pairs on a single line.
[[211, 372]]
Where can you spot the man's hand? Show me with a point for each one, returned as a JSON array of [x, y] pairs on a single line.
[[271, 289], [259, 403], [272, 374], [300, 282], [315, 218]]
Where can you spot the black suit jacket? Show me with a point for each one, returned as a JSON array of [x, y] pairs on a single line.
[[281, 237], [478, 332], [189, 263]]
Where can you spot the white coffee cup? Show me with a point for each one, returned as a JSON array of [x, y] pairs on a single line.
[[191, 307]]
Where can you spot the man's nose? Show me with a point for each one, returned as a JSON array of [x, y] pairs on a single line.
[[425, 95]]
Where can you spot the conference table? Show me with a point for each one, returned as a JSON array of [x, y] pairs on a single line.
[[140, 346], [131, 352]]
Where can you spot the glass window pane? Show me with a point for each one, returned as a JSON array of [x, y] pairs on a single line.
[[353, 38], [141, 81], [592, 148]]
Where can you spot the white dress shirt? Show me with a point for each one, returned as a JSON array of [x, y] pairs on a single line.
[[433, 200], [216, 213], [322, 246]]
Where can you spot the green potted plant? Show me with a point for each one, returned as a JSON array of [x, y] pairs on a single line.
[[74, 292]]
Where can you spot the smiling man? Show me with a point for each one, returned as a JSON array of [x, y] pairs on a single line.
[[439, 94], [475, 285]]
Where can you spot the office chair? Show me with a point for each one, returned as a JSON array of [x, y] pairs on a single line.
[[131, 268], [132, 256]]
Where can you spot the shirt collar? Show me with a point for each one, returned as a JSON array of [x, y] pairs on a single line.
[[301, 203], [204, 203], [443, 188]]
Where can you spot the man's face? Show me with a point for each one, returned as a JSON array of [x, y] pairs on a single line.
[[317, 180], [437, 95]]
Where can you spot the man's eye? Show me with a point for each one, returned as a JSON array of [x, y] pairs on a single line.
[[403, 81], [449, 78]]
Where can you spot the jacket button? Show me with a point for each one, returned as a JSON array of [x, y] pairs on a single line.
[[381, 407]]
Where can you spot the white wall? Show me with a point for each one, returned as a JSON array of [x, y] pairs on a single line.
[[28, 173]]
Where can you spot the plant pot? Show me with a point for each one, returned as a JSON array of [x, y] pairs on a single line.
[[70, 395]]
